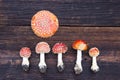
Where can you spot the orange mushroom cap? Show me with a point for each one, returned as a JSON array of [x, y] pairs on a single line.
[[59, 48], [94, 52], [79, 45], [44, 24], [42, 47], [25, 52]]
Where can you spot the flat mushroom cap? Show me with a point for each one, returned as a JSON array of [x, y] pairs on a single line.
[[59, 48], [44, 24], [42, 47], [94, 52], [25, 52], [79, 45]]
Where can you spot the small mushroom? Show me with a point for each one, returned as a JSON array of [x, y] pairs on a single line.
[[44, 24], [94, 52], [60, 48], [80, 46], [25, 53], [42, 48]]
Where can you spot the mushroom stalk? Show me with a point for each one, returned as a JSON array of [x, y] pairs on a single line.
[[42, 64], [25, 63], [78, 66], [42, 58], [94, 66], [60, 64]]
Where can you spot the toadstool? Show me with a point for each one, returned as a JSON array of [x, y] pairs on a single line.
[[25, 53], [94, 52], [79, 45], [42, 48], [44, 24], [60, 48]]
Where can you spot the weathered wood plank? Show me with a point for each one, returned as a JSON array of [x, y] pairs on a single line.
[[95, 36], [69, 12], [12, 38]]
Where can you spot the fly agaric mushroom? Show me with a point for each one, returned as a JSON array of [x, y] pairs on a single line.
[[42, 48], [44, 24], [80, 46], [25, 53], [60, 48], [94, 52]]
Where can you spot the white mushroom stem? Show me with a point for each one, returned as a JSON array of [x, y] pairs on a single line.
[[79, 59], [25, 61], [42, 60], [94, 66], [60, 61]]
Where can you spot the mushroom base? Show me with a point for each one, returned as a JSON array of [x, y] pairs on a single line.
[[43, 69], [60, 68], [78, 69], [25, 67], [95, 68]]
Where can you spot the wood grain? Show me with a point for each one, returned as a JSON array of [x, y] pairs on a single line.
[[69, 12], [105, 38], [95, 21]]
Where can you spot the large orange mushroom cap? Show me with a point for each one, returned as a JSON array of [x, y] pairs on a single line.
[[94, 52], [25, 52], [79, 45], [44, 24]]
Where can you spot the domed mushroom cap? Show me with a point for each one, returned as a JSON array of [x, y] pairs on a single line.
[[59, 48], [42, 47], [25, 52], [94, 52], [44, 24], [79, 45]]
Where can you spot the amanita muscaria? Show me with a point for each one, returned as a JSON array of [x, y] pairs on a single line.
[[79, 45], [42, 48], [25, 53], [44, 24], [60, 48], [94, 52]]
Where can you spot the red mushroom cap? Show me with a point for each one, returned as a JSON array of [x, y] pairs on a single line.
[[94, 52], [25, 52], [59, 48], [44, 24], [42, 47], [79, 45]]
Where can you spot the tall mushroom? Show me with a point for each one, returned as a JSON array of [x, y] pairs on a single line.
[[42, 48], [94, 52], [60, 48], [25, 53], [80, 46], [44, 24]]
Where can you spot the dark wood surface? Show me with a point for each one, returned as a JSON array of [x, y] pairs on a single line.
[[79, 19]]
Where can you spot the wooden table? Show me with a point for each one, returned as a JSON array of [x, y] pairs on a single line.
[[95, 21]]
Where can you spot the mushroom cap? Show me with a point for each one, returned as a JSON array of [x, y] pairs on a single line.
[[25, 52], [59, 48], [94, 52], [44, 24], [79, 45], [42, 47]]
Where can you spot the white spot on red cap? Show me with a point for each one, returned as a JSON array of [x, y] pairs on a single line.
[[42, 47], [94, 52], [25, 52], [59, 48]]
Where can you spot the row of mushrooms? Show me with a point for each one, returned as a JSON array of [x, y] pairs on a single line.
[[60, 48], [45, 24], [42, 48]]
